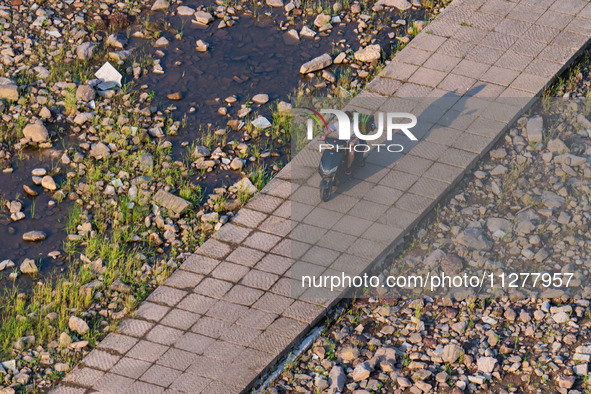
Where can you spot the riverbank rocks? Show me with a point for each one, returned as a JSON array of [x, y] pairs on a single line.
[[48, 183], [204, 17], [202, 46], [85, 93], [36, 132], [160, 5], [316, 64], [402, 5], [369, 54], [78, 325], [176, 96], [99, 150], [260, 98], [34, 236], [28, 267], [275, 3], [85, 50], [169, 201], [8, 89], [236, 164], [535, 127], [183, 10]]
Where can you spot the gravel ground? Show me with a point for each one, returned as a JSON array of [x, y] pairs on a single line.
[[525, 208]]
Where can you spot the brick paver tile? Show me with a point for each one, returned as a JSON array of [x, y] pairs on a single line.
[[194, 343], [307, 233], [243, 295], [259, 279], [287, 327], [237, 375], [147, 351], [554, 19], [199, 264], [229, 271], [82, 376], [299, 269], [410, 90], [526, 13], [457, 83], [276, 225], [253, 359], [572, 7], [365, 248], [190, 383], [209, 367], [291, 248], [349, 264], [112, 383], [557, 53], [232, 233], [117, 343], [273, 303], [336, 240], [443, 172], [544, 68], [240, 335], [472, 143], [271, 342], [246, 256], [427, 42], [303, 311], [457, 157], [249, 218], [385, 86], [227, 311], [320, 256], [68, 390], [470, 34], [196, 303], [264, 203], [214, 288], [483, 54], [183, 280], [457, 48], [164, 335], [382, 233], [442, 28], [442, 135], [485, 21], [368, 210], [471, 68], [500, 76], [144, 388], [571, 39], [262, 241], [278, 188], [100, 360], [167, 295], [497, 7], [223, 351], [399, 70], [151, 311], [430, 188], [513, 61], [427, 76], [214, 249], [580, 25], [323, 218], [179, 359], [160, 375], [428, 150], [512, 27], [383, 195], [130, 367], [413, 56], [134, 327], [413, 203], [210, 327], [529, 82], [257, 319], [180, 319], [275, 264]]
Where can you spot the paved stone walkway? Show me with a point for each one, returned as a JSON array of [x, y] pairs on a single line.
[[230, 312]]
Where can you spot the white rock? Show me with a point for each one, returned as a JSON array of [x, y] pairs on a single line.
[[486, 364], [78, 325], [260, 98], [261, 123], [369, 54], [48, 183], [160, 5], [183, 10], [203, 17], [36, 132], [316, 64]]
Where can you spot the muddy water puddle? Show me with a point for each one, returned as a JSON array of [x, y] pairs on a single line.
[[42, 213]]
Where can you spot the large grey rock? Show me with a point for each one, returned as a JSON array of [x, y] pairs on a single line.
[[495, 224], [337, 378], [85, 93], [36, 132], [170, 201], [486, 364], [451, 353], [85, 50], [402, 5], [361, 372], [100, 149], [552, 200], [78, 325], [535, 127], [369, 54], [34, 236], [8, 89], [570, 160], [28, 267], [473, 238], [160, 5], [203, 17], [316, 64]]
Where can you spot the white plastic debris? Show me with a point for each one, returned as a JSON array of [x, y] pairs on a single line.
[[108, 75]]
